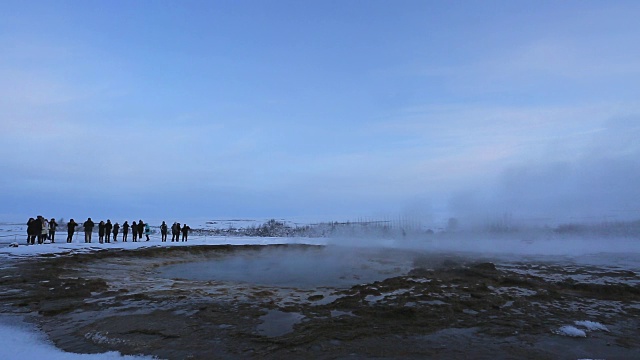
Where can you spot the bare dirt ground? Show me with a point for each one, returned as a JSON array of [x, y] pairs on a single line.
[[445, 306]]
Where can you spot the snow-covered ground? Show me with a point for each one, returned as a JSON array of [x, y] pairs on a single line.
[[19, 340]]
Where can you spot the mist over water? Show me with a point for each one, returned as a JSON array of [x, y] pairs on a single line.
[[298, 267], [594, 180]]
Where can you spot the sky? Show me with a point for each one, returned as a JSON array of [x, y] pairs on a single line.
[[320, 109]]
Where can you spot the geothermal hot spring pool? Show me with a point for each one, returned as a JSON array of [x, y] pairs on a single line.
[[297, 268], [293, 301]]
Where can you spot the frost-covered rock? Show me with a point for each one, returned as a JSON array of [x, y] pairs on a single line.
[[14, 244]]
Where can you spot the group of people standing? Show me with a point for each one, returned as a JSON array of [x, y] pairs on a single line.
[[41, 229], [45, 229], [175, 232]]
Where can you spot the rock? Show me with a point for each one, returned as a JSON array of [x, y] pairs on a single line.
[[485, 266]]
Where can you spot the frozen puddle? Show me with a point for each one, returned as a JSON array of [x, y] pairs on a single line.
[[277, 323], [308, 268]]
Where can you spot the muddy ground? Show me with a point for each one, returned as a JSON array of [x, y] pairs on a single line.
[[445, 306]]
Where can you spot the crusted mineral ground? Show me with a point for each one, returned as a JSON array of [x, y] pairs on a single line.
[[445, 306]]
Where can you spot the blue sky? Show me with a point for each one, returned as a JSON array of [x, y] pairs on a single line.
[[325, 109]]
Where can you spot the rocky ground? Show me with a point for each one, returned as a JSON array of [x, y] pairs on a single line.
[[447, 306]]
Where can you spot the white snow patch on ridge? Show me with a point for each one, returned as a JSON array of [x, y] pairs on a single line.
[[591, 325], [573, 331]]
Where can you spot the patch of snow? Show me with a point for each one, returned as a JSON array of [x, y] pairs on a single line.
[[100, 338], [420, 280], [507, 304], [571, 331], [591, 325], [19, 340], [376, 298]]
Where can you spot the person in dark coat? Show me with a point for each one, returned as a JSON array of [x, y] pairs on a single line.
[[185, 232], [52, 229], [71, 228], [34, 227], [140, 229], [101, 232], [134, 231], [116, 227], [88, 229], [174, 232], [177, 232], [29, 230], [125, 231], [163, 231], [107, 231]]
